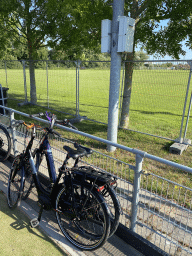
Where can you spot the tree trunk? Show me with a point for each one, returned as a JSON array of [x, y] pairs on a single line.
[[124, 123], [33, 96]]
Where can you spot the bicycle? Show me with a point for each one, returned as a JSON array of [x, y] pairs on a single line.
[[44, 151], [81, 211], [5, 143]]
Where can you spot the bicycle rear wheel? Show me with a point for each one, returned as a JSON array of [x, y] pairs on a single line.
[[83, 216], [5, 143], [15, 183], [114, 207]]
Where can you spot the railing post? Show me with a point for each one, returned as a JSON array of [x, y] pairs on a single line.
[[13, 133], [136, 189]]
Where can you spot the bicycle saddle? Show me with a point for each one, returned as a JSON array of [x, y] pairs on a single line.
[[80, 152]]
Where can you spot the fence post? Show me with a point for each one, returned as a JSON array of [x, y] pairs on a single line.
[[77, 86], [13, 133], [6, 73], [47, 84], [188, 85], [187, 121], [2, 98], [121, 97], [136, 189]]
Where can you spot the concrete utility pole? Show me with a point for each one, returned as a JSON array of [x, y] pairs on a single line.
[[118, 10]]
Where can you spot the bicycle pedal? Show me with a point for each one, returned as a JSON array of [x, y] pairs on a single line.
[[34, 223]]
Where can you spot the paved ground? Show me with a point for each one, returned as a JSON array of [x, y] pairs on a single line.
[[114, 245]]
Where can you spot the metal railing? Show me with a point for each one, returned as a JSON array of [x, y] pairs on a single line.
[[156, 208]]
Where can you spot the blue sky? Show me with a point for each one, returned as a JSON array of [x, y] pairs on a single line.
[[187, 56]]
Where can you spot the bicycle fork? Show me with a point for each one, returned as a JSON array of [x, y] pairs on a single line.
[[35, 222]]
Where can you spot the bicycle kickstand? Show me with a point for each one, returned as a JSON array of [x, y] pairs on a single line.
[[35, 222]]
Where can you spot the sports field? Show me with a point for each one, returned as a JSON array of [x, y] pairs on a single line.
[[157, 99]]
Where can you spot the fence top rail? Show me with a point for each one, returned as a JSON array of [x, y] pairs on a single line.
[[131, 150], [153, 61]]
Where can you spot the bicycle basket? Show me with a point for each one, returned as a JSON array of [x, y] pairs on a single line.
[[92, 175]]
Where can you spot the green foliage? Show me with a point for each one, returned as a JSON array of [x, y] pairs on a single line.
[[149, 32]]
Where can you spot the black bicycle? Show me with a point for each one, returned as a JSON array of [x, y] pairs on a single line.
[[81, 211], [107, 190], [5, 143]]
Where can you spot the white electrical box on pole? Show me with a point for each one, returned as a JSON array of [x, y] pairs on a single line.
[[106, 36], [126, 34]]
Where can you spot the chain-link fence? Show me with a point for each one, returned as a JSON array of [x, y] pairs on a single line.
[[158, 94], [160, 91]]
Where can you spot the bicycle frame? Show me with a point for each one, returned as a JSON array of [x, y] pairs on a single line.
[[41, 191], [45, 148]]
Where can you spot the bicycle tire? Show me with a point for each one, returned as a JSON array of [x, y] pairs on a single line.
[[87, 229], [15, 183], [5, 144], [29, 181], [114, 207]]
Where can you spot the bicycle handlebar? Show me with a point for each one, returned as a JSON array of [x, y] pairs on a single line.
[[17, 123], [52, 118]]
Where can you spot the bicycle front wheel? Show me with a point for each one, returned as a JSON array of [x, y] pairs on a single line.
[[5, 143], [83, 216], [15, 183], [28, 182]]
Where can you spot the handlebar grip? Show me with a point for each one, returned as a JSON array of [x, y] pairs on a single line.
[[37, 115], [72, 126], [18, 122], [66, 122]]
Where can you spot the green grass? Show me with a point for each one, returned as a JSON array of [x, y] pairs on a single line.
[[157, 99], [156, 107], [18, 238]]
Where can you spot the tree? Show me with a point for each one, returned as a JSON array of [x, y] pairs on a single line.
[[25, 24], [79, 25], [59, 24], [156, 39]]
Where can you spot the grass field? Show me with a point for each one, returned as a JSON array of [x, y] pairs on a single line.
[[156, 108], [156, 105]]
